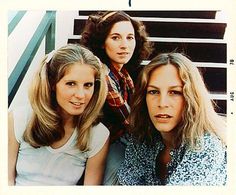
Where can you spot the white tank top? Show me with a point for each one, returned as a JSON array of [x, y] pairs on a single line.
[[48, 166]]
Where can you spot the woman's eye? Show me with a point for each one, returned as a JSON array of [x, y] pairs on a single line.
[[130, 38], [174, 92], [88, 85], [115, 38], [70, 83], [153, 92]]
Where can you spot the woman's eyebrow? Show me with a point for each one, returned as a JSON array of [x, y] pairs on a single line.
[[174, 86], [115, 33], [153, 86]]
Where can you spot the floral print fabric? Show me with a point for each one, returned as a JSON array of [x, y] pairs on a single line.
[[204, 166]]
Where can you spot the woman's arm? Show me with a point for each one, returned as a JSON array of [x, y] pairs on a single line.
[[95, 166], [13, 148]]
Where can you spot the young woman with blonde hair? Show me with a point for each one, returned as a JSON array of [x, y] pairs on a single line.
[[55, 140], [177, 137]]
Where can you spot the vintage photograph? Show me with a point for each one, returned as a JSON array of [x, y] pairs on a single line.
[[136, 99]]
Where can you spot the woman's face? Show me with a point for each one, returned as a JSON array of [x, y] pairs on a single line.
[[165, 100], [75, 89], [120, 43]]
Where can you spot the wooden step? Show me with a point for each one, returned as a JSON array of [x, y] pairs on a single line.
[[185, 29], [218, 96], [165, 14], [199, 52], [173, 27], [199, 64]]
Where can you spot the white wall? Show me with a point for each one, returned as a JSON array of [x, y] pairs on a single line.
[[11, 15], [64, 26], [19, 38]]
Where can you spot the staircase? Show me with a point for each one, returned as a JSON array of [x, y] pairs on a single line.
[[199, 34]]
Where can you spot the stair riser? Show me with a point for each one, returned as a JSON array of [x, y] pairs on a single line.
[[165, 14], [173, 29]]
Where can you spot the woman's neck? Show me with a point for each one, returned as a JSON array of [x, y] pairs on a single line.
[[168, 141], [68, 124], [118, 67]]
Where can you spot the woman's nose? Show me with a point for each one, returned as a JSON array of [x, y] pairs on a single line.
[[163, 101], [79, 93], [123, 43]]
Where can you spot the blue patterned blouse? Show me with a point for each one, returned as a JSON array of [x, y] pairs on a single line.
[[205, 166]]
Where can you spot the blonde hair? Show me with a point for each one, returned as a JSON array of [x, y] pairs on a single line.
[[198, 116], [45, 126]]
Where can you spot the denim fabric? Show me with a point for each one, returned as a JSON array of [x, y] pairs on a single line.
[[115, 157]]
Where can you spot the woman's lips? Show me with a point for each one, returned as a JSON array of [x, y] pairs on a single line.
[[123, 54], [77, 103], [163, 118]]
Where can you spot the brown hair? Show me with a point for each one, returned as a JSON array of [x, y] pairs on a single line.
[[98, 27]]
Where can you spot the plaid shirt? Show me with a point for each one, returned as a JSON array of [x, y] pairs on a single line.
[[116, 108]]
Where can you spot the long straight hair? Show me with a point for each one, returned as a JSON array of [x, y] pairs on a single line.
[[45, 126], [198, 116]]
